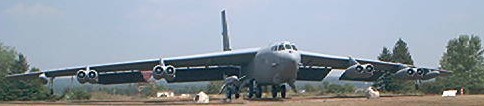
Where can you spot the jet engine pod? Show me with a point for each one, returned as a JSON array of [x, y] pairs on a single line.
[[43, 78], [158, 71], [170, 70], [93, 76], [81, 76], [421, 71], [170, 73], [369, 68], [359, 68], [358, 71], [410, 71]]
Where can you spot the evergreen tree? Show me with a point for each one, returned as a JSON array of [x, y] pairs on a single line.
[[10, 63], [385, 55], [401, 53], [34, 69], [7, 60], [21, 65]]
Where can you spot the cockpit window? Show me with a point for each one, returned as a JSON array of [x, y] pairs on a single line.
[[274, 48], [280, 48], [294, 47], [288, 46]]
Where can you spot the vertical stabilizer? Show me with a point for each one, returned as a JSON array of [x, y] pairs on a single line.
[[225, 33]]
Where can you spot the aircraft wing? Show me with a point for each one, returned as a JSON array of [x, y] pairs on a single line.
[[226, 58], [312, 74], [339, 62]]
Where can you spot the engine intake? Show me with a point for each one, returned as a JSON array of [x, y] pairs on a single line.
[[81, 76], [170, 73], [44, 79], [410, 71], [92, 76], [167, 72], [158, 72], [369, 68], [359, 68], [359, 71], [420, 71]]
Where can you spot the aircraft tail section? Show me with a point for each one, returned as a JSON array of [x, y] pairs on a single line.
[[225, 33]]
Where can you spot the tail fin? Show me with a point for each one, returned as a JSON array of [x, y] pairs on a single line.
[[225, 33]]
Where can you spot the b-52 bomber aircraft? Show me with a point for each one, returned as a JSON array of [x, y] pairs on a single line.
[[276, 65]]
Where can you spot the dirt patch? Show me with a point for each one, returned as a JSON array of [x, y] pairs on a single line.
[[431, 100]]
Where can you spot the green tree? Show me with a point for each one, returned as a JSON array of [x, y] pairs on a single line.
[[34, 69], [21, 65], [464, 56], [400, 54], [12, 63], [385, 55], [7, 60]]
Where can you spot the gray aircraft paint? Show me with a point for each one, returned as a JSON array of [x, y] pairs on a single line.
[[269, 67]]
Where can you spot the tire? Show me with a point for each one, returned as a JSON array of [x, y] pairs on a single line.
[[283, 91], [274, 91], [237, 95], [229, 94], [251, 89], [258, 93]]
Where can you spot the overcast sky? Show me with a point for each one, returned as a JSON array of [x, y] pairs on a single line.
[[55, 34]]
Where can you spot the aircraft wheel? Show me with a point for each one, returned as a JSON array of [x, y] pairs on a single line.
[[274, 91], [283, 91], [229, 94], [237, 95], [258, 93], [252, 88]]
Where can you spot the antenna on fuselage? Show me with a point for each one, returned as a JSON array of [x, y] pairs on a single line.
[[225, 33]]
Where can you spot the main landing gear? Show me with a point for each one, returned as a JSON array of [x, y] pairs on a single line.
[[276, 89], [255, 89]]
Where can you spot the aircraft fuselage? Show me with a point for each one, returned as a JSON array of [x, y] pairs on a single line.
[[274, 65]]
